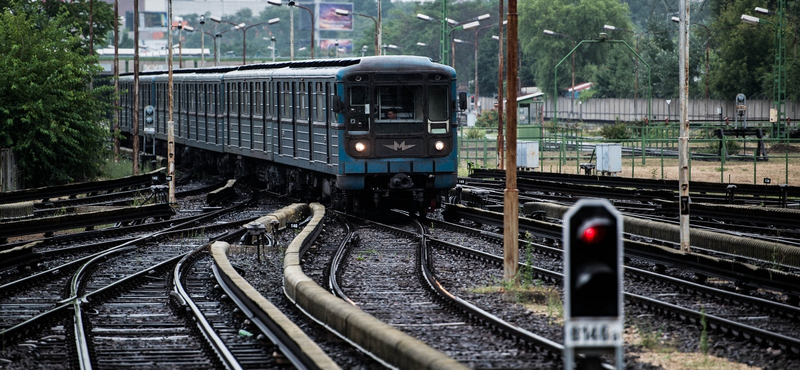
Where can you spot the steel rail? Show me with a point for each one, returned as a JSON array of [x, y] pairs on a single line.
[[757, 334], [285, 343]]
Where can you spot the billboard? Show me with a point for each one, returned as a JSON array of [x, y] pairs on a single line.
[[328, 46], [328, 20]]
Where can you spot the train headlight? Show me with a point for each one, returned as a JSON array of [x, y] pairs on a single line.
[[360, 147], [439, 145]]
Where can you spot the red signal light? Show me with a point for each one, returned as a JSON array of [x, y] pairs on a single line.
[[593, 234]]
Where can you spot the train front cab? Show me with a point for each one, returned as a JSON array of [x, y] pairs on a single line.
[[410, 158]]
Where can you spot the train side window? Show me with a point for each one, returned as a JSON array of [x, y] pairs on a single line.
[[268, 99], [176, 94], [234, 106], [201, 101], [302, 102], [245, 101], [192, 98], [319, 102], [286, 101], [258, 101]]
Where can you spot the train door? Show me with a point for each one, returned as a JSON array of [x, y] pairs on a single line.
[[269, 115], [319, 136], [257, 132], [333, 124], [191, 122], [285, 137], [202, 118], [302, 129], [246, 134]]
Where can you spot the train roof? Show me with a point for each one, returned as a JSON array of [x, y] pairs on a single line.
[[394, 62]]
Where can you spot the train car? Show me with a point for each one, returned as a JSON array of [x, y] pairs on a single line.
[[365, 133]]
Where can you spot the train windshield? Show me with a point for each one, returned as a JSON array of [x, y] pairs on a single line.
[[400, 108]]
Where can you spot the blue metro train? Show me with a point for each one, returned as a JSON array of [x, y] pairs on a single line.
[[363, 133]]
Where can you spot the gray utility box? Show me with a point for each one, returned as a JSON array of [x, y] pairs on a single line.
[[609, 158], [528, 154]]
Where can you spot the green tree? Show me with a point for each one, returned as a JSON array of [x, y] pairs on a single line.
[[747, 52], [50, 115], [581, 20]]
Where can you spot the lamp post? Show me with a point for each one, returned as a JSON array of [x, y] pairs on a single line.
[[271, 39], [244, 36], [475, 44], [291, 4], [181, 27], [779, 84], [636, 38], [202, 41], [572, 87], [214, 37], [390, 46], [602, 39], [445, 38], [219, 35], [345, 13], [708, 41], [219, 20]]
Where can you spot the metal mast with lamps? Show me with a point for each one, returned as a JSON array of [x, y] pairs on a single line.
[[345, 13], [292, 4], [244, 36]]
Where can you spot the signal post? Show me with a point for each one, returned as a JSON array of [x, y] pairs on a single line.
[[593, 309]]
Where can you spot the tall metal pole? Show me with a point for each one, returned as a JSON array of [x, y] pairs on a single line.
[[444, 38], [379, 41], [202, 40], [291, 32], [116, 80], [511, 193], [170, 122], [136, 87], [683, 140], [500, 68]]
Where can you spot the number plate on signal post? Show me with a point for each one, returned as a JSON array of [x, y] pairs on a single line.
[[593, 333]]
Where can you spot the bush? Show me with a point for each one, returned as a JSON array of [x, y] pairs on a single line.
[[488, 119], [475, 133], [616, 132]]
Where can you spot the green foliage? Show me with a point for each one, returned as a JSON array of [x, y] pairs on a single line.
[[475, 133], [50, 113], [580, 20], [616, 132], [488, 119]]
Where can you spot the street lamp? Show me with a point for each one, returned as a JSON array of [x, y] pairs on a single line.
[[378, 41], [475, 44], [181, 27], [202, 40], [779, 84], [291, 4], [574, 43], [244, 36], [454, 25], [708, 41], [636, 39], [272, 39], [219, 34], [390, 46], [214, 37]]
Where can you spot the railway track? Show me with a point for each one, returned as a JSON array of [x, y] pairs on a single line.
[[761, 317]]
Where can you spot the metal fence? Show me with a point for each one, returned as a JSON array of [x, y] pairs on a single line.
[[752, 156]]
